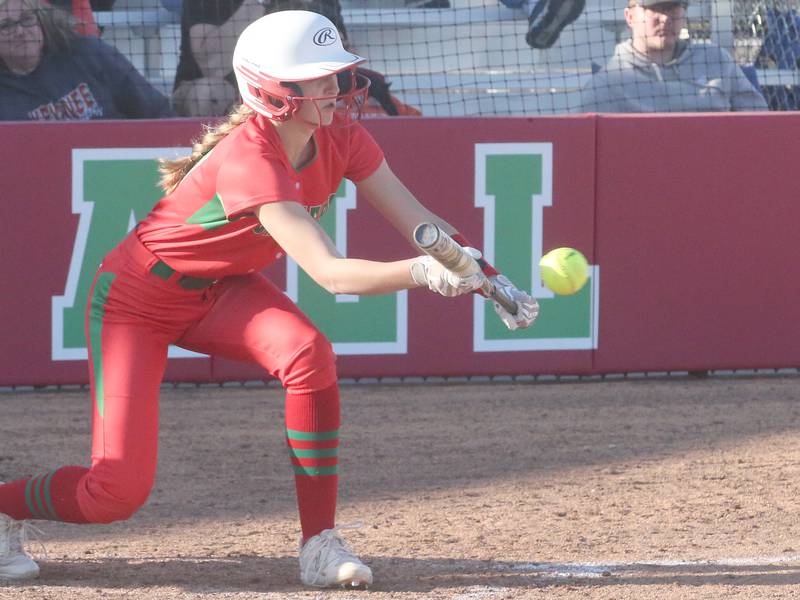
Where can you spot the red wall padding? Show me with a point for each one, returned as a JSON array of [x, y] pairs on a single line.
[[692, 220], [698, 238]]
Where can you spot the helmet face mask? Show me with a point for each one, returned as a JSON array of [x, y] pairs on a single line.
[[277, 53], [281, 100], [348, 102]]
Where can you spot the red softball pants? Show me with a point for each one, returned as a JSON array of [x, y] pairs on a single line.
[[133, 316]]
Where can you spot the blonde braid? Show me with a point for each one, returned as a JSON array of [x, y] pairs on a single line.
[[173, 171]]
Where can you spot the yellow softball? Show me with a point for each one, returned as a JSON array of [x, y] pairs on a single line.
[[564, 270]]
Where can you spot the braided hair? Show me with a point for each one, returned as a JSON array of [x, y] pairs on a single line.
[[173, 171]]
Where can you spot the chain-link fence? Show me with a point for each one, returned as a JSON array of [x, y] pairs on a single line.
[[486, 57]]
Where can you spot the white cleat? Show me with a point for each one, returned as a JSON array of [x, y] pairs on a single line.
[[327, 561], [14, 561]]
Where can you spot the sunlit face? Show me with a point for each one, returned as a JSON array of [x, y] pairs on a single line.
[[319, 112], [21, 37], [656, 29]]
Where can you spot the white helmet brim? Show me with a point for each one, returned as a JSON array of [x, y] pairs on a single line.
[[321, 69]]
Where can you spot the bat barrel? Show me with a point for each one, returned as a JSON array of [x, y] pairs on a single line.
[[426, 235], [436, 243]]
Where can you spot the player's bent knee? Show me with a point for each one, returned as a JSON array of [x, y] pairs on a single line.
[[312, 367], [107, 500]]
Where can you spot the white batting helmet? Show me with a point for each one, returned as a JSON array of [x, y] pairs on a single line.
[[288, 47]]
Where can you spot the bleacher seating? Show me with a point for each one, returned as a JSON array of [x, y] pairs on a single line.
[[469, 59], [148, 35], [781, 50]]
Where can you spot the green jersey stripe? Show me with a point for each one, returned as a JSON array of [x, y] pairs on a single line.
[[322, 453], [293, 434], [211, 215], [49, 499], [97, 311], [313, 471]]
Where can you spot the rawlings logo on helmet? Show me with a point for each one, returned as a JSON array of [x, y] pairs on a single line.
[[325, 37]]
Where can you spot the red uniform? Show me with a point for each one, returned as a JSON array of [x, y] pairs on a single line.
[[189, 275], [207, 226]]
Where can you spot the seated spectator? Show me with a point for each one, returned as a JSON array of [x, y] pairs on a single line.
[[81, 11], [547, 18], [657, 71], [47, 72], [204, 80], [380, 101]]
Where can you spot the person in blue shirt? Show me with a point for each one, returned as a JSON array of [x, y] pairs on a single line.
[[48, 73]]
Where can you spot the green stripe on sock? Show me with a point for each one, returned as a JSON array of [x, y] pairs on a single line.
[[96, 314], [313, 471], [321, 453], [48, 499], [37, 488], [29, 498], [306, 436]]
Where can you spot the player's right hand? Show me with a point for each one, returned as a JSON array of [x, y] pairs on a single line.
[[426, 271], [527, 306]]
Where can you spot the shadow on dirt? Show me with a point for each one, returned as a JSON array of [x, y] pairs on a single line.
[[241, 574], [222, 451]]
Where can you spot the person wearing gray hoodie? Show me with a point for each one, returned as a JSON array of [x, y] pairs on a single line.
[[657, 71]]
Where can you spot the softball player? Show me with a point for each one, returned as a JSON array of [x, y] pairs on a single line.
[[189, 275]]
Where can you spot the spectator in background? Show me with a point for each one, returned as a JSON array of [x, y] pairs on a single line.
[[82, 12], [547, 18], [380, 101], [204, 81], [47, 72], [658, 71]]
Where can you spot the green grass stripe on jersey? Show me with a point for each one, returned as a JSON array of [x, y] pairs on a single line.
[[320, 453], [97, 311], [211, 215], [312, 436], [48, 498], [312, 471]]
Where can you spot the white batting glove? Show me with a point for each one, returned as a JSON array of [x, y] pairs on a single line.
[[527, 306], [429, 272]]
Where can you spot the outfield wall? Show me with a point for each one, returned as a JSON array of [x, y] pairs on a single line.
[[690, 223]]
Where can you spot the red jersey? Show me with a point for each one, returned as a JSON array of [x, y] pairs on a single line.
[[207, 227]]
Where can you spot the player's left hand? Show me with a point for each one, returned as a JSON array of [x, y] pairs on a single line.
[[527, 306], [427, 271]]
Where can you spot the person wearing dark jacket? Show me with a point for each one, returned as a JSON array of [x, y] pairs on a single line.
[[48, 73]]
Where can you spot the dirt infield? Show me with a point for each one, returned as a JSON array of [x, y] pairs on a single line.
[[635, 489]]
